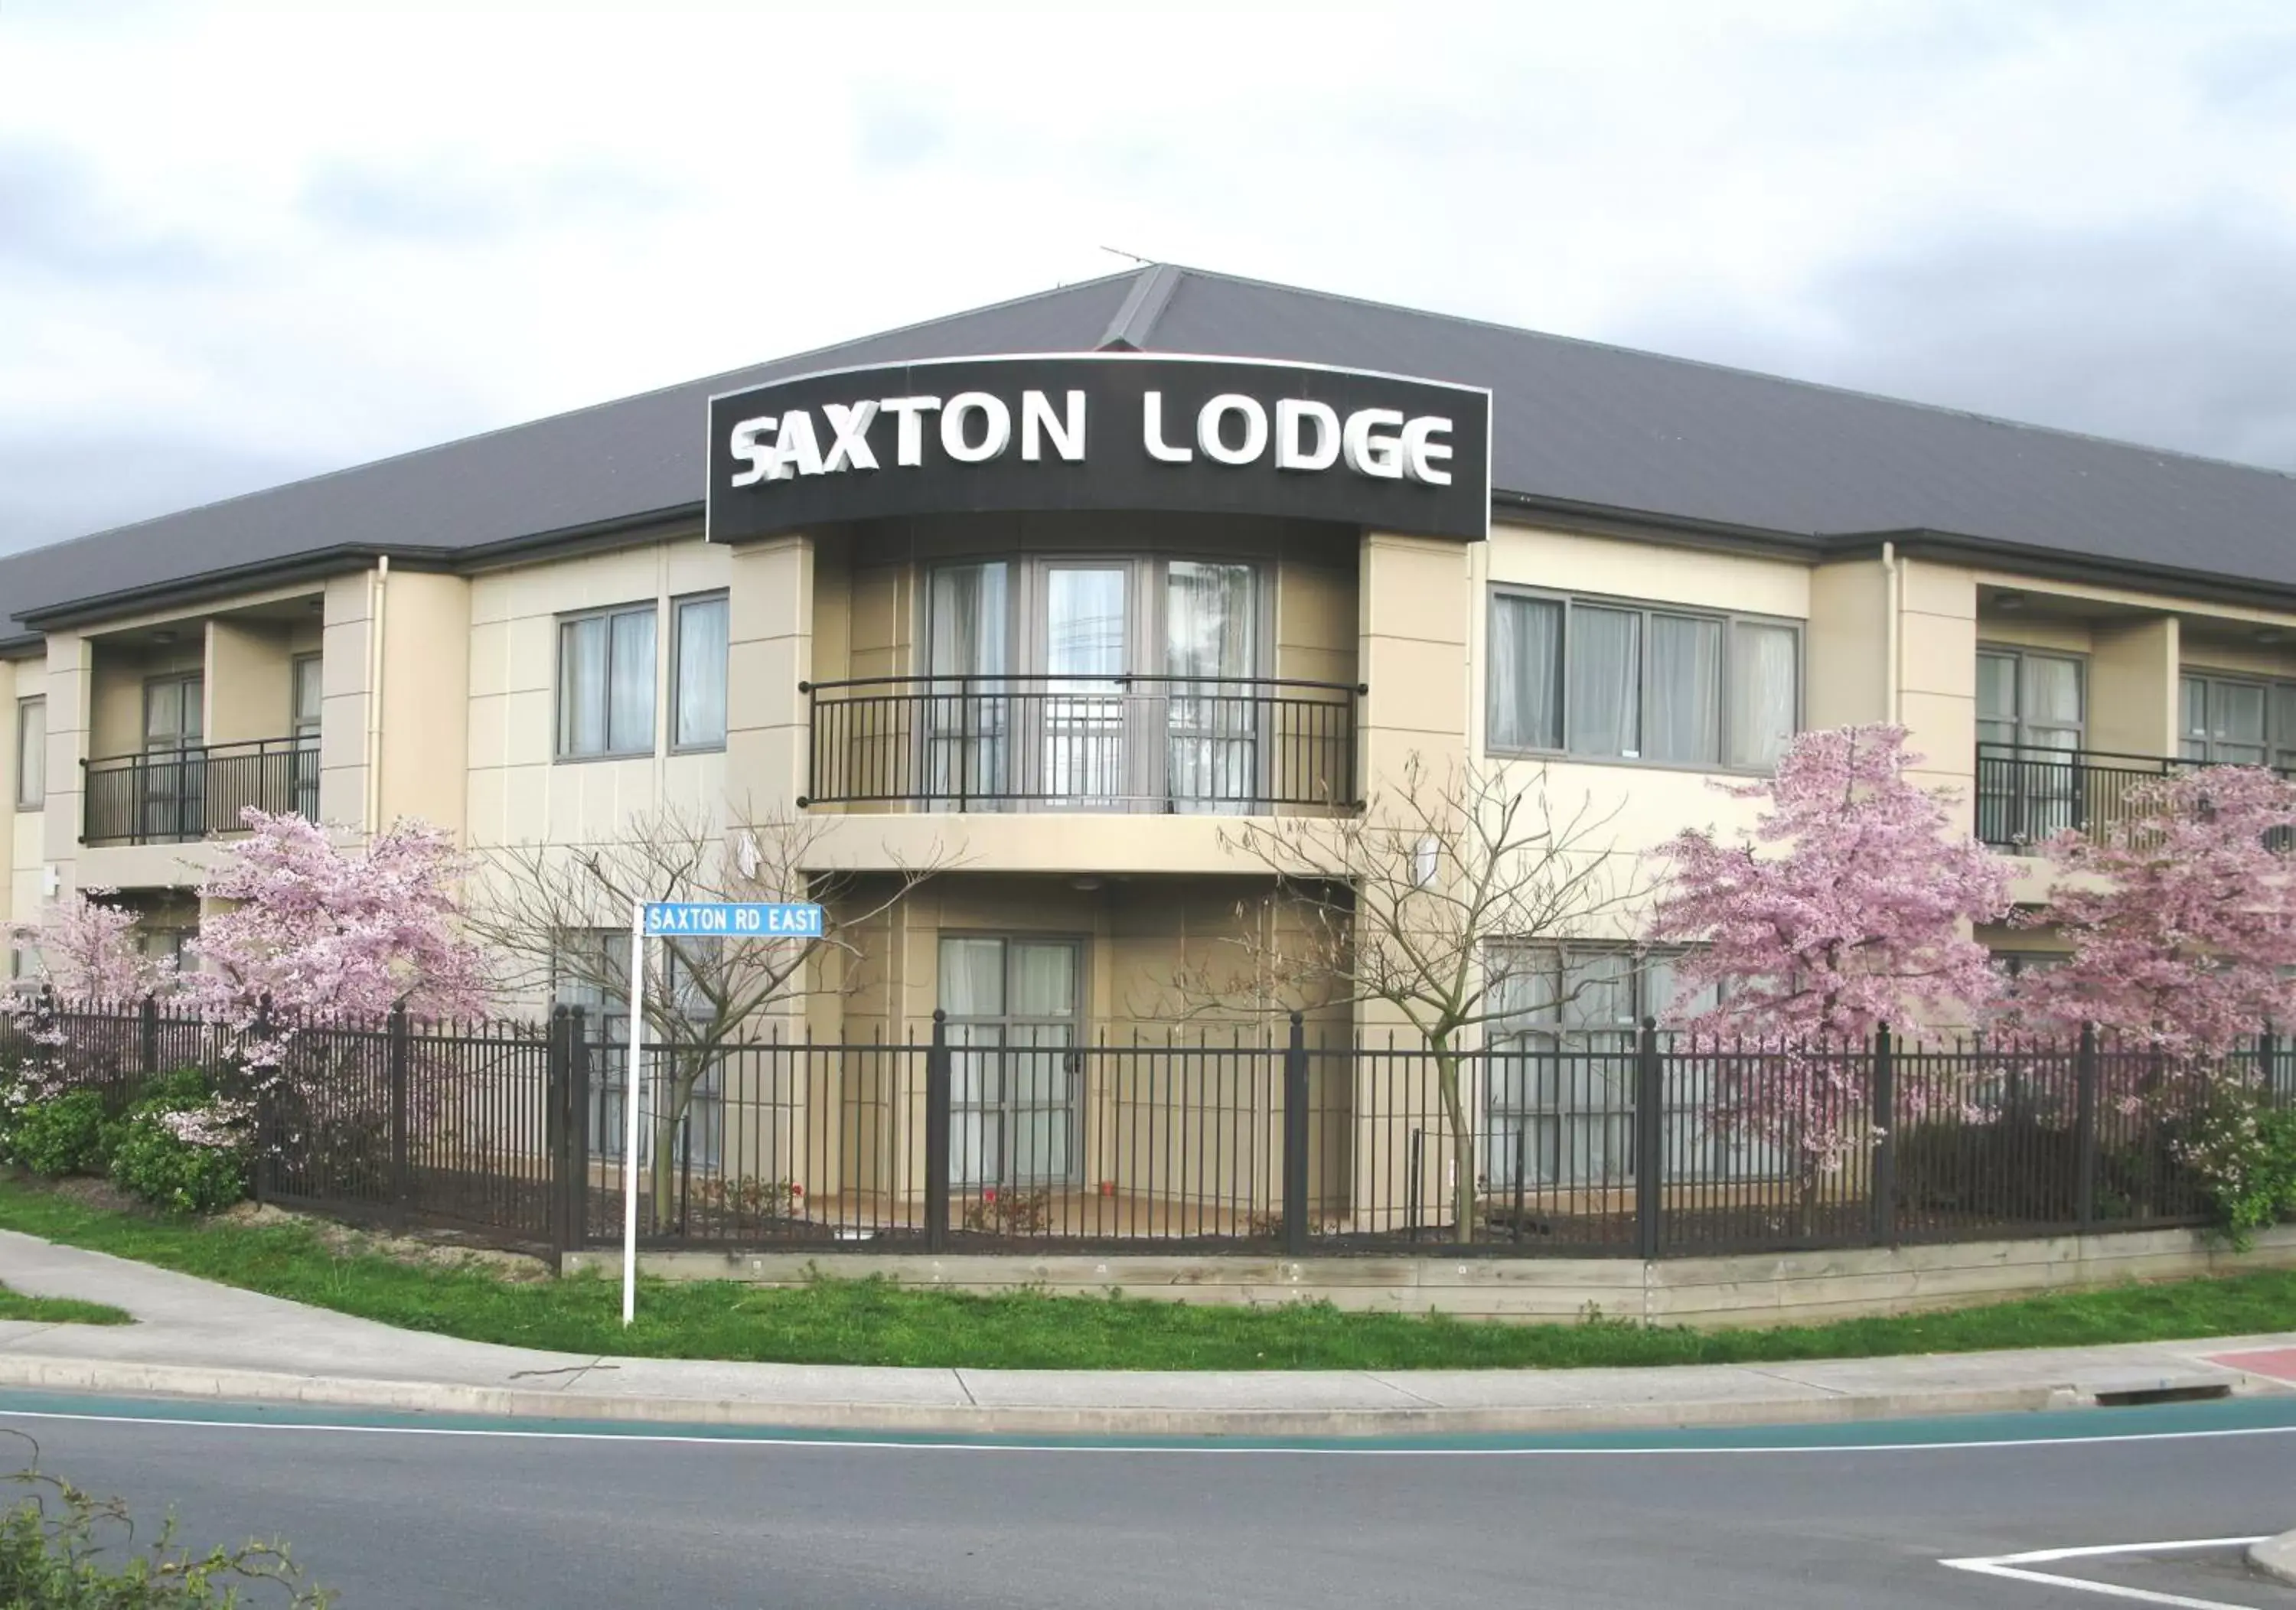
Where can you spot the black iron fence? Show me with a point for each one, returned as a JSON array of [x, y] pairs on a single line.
[[176, 795], [1233, 745], [2028, 794], [1629, 1144]]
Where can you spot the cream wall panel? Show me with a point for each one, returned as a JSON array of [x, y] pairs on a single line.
[[250, 687], [2237, 660], [423, 743], [1571, 562], [2026, 632], [1927, 588], [1940, 655], [2132, 697], [1845, 651]]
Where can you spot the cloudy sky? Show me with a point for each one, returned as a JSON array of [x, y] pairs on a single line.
[[244, 244]]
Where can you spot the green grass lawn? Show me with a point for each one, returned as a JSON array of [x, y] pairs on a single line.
[[58, 1310], [875, 1322]]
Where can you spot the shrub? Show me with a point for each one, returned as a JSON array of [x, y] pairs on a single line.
[[2245, 1154], [64, 1135], [62, 1549], [182, 1150], [1003, 1211]]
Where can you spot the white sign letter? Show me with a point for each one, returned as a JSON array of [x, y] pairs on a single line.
[[800, 449], [992, 410], [1037, 420], [751, 443], [909, 437], [849, 448], [1378, 456], [1291, 451], [1152, 431], [1255, 428], [1420, 453]]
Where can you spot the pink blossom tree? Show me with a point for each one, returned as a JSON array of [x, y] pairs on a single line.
[[89, 950], [2181, 917], [1849, 907], [319, 931]]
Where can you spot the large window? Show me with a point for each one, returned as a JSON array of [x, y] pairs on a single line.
[[698, 692], [308, 695], [31, 753], [2229, 721], [2031, 707], [1627, 681], [591, 970], [1097, 681], [605, 682]]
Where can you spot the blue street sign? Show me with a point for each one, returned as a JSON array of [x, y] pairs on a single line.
[[732, 920]]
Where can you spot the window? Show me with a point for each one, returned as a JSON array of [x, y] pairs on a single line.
[[1013, 1007], [304, 727], [31, 753], [592, 970], [1623, 681], [2031, 709], [698, 692], [1561, 1093], [605, 683], [1069, 680], [175, 766], [2228, 722]]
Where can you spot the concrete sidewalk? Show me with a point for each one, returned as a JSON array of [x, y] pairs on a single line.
[[197, 1339]]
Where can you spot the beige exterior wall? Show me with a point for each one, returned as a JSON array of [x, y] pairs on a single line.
[[518, 791]]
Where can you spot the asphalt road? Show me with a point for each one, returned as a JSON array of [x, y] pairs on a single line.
[[397, 1514]]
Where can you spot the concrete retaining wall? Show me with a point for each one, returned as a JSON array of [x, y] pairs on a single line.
[[1781, 1289]]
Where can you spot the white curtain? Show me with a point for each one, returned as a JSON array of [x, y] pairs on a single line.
[[1764, 697], [582, 686], [1209, 621], [966, 635], [629, 699], [973, 986], [702, 672], [1082, 725], [1526, 673], [1604, 688], [1685, 675]]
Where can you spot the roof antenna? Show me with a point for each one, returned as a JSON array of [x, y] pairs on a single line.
[[1118, 251]]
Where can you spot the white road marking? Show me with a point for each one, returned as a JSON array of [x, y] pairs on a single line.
[[2013, 1567], [738, 1437]]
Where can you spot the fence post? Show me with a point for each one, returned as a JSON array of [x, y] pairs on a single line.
[[1882, 1198], [936, 1127], [267, 1098], [396, 1042], [2085, 1093], [150, 1025], [1650, 1141], [557, 1109], [1295, 1141], [577, 1128]]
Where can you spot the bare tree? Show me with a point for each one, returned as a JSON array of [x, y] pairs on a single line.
[[543, 907], [1428, 902]]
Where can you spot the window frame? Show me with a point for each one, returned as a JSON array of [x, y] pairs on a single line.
[[24, 801], [2023, 720], [559, 754], [2274, 742], [1645, 609], [1147, 599], [676, 666]]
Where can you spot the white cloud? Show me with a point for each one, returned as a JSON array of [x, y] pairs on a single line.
[[303, 236]]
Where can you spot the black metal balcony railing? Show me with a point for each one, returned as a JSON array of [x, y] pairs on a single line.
[[174, 796], [2026, 795], [1227, 745]]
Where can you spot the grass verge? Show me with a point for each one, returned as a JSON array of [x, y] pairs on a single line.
[[876, 1322], [58, 1311]]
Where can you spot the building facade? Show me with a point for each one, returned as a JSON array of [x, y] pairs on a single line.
[[1065, 691]]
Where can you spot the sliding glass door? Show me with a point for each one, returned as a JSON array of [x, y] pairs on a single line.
[[1014, 1031], [1095, 683]]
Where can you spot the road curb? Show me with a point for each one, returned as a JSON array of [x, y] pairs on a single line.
[[2276, 1556], [266, 1387]]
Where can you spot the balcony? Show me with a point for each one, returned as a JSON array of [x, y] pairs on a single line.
[[2026, 795], [1225, 745], [180, 796]]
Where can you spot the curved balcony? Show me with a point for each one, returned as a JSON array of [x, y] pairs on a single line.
[[1227, 745]]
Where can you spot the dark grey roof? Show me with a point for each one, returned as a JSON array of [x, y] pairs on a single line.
[[1577, 425]]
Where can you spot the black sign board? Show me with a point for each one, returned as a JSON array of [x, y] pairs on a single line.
[[1101, 431]]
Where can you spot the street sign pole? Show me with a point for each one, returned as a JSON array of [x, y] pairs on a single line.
[[696, 919], [633, 1087]]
